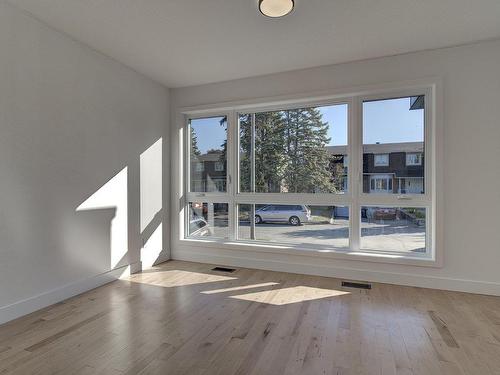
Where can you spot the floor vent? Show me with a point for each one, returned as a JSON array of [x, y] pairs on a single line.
[[223, 269], [354, 284]]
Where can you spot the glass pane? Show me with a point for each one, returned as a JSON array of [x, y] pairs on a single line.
[[301, 150], [393, 146], [208, 220], [208, 154], [245, 127], [400, 229], [323, 227]]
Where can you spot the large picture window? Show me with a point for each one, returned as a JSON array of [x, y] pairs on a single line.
[[350, 176]]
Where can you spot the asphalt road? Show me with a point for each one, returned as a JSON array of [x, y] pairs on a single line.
[[398, 235]]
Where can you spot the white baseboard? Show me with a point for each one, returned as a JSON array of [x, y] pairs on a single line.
[[29, 305], [407, 279]]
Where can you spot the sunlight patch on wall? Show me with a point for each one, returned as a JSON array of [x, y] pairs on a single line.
[[151, 183], [152, 248], [294, 294], [113, 194]]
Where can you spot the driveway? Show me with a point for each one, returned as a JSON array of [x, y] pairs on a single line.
[[398, 235]]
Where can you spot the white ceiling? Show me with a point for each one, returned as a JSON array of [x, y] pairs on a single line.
[[189, 42]]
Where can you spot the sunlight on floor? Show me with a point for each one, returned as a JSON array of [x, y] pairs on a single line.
[[176, 278], [294, 294], [215, 291]]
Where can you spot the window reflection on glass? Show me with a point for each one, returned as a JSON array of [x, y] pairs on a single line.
[[301, 150], [393, 146], [208, 154], [208, 220], [324, 227], [393, 229]]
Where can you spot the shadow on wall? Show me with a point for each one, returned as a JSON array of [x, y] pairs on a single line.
[[114, 198]]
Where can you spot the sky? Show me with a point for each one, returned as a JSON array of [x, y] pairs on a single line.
[[210, 133], [384, 121]]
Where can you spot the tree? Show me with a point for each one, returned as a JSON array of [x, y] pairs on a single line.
[[290, 152], [337, 171], [270, 157], [270, 160], [223, 123], [195, 151], [245, 145], [308, 167]]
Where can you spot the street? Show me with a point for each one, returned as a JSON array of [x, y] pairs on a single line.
[[391, 235]]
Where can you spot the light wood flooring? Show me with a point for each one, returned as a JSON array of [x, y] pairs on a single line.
[[183, 318]]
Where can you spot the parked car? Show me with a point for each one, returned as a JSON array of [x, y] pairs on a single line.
[[283, 213], [198, 227]]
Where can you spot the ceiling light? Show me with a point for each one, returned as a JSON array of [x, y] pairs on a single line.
[[275, 8]]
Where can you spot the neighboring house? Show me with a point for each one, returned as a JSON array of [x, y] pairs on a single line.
[[389, 168], [208, 172]]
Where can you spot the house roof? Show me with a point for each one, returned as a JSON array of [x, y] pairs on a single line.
[[211, 156], [382, 148]]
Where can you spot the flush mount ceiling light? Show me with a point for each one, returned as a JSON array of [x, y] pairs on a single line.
[[275, 8]]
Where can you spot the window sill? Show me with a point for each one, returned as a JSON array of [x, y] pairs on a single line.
[[341, 254]]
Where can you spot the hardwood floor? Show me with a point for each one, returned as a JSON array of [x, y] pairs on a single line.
[[183, 318]]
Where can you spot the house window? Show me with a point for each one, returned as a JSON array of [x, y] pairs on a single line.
[[381, 160], [219, 166], [293, 166], [207, 143], [381, 184], [199, 167], [414, 159]]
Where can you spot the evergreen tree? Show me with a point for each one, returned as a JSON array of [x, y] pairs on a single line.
[[223, 123], [308, 168], [195, 151], [290, 152], [270, 155], [245, 146]]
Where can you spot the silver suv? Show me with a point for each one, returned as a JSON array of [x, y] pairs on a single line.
[[283, 213]]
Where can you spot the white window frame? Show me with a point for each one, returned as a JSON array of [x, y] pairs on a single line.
[[418, 155], [354, 198], [384, 164]]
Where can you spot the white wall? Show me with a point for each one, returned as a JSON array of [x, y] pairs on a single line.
[[470, 171], [70, 121]]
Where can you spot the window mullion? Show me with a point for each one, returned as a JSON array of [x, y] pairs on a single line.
[[233, 172], [355, 171], [252, 176]]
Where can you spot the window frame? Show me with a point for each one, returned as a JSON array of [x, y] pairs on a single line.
[[354, 198], [418, 154], [187, 153], [386, 164]]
